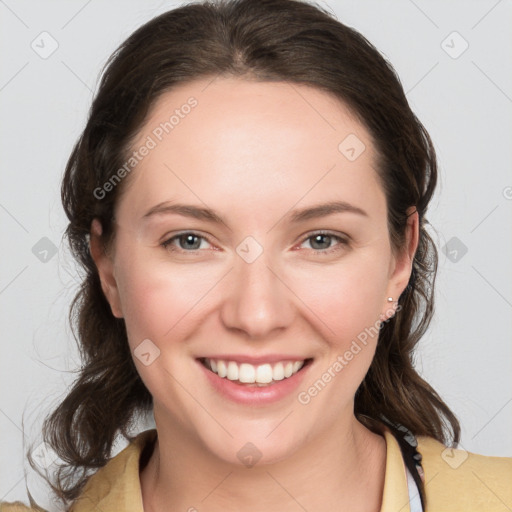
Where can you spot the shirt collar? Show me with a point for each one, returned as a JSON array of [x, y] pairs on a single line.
[[116, 486]]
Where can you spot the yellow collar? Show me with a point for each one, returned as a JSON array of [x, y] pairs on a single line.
[[116, 486]]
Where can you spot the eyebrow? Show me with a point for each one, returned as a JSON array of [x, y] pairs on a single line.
[[198, 212]]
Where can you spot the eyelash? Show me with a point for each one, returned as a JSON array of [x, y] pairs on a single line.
[[343, 242]]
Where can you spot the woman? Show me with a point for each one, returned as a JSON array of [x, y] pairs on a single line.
[[248, 201]]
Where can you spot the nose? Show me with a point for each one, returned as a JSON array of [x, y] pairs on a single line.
[[258, 299]]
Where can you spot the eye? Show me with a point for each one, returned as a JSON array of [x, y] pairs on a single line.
[[321, 242], [187, 242]]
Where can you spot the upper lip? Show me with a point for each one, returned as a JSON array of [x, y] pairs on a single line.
[[243, 358]]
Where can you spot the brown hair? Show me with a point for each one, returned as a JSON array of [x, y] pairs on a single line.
[[263, 40]]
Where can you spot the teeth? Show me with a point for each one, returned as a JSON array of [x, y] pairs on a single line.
[[264, 374], [222, 370], [278, 372], [249, 374], [232, 371]]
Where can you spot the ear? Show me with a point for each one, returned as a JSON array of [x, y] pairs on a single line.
[[403, 260], [105, 267]]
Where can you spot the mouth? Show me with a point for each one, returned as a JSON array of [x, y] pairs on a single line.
[[255, 375]]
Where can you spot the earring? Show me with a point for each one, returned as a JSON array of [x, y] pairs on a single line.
[[390, 313]]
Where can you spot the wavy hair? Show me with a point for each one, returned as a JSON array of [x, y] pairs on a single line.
[[262, 40]]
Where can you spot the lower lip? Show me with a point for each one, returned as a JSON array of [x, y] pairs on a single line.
[[255, 395]]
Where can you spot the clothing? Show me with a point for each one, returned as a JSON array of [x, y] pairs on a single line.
[[455, 480]]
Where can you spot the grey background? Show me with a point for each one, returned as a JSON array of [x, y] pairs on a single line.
[[465, 102]]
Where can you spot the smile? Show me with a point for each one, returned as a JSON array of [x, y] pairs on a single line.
[[264, 374]]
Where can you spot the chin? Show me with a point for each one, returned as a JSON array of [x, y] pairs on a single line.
[[252, 448]]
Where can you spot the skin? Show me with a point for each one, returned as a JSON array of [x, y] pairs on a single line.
[[255, 152]]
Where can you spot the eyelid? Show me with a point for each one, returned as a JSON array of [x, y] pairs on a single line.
[[326, 232], [341, 237], [168, 240]]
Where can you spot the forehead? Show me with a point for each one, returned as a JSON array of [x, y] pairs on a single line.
[[252, 143]]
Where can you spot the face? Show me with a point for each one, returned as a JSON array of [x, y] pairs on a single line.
[[224, 261]]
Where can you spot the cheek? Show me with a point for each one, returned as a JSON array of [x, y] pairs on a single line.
[[346, 297], [157, 299], [346, 301], [345, 308], [162, 303]]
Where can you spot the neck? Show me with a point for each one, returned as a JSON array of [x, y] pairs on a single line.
[[341, 470]]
